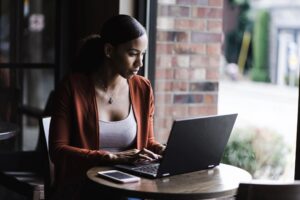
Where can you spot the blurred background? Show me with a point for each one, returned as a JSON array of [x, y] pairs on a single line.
[[260, 80]]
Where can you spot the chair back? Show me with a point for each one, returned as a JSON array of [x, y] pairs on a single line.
[[269, 191], [49, 179], [46, 126]]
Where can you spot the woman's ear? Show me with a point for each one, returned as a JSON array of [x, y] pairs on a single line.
[[108, 49]]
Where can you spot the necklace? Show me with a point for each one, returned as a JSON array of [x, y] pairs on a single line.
[[110, 97], [110, 101]]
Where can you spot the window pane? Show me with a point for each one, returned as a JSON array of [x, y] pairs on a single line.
[[37, 86], [38, 39], [260, 82], [4, 31]]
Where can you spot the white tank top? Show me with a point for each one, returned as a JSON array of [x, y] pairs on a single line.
[[118, 135]]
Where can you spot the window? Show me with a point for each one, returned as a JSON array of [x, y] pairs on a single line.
[[27, 61]]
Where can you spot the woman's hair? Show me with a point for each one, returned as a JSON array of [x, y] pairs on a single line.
[[116, 30]]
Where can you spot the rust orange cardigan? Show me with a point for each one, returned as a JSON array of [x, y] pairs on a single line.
[[74, 128]]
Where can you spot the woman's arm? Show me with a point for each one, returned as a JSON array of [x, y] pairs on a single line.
[[62, 133]]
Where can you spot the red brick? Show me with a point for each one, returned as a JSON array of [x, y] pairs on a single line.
[[187, 98], [172, 36], [165, 23], [158, 62], [189, 41], [160, 111], [173, 11], [199, 37], [162, 10], [215, 13], [164, 122], [164, 61], [162, 134], [163, 86], [163, 48], [180, 86], [182, 23], [162, 98], [181, 74], [197, 110], [177, 110], [205, 86], [212, 74], [214, 60], [199, 61], [197, 24], [205, 61], [200, 110], [167, 1], [181, 61], [214, 26], [189, 48], [215, 3], [210, 99], [162, 36], [193, 2], [198, 74], [213, 49], [190, 24], [162, 73]]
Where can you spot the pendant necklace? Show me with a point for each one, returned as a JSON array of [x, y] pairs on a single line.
[[110, 97], [110, 101]]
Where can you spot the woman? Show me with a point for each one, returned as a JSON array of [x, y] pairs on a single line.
[[105, 115]]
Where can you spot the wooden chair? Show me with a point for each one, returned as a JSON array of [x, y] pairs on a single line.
[[269, 191], [49, 168], [29, 173]]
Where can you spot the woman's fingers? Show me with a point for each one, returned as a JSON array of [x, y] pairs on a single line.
[[145, 157], [150, 154], [137, 156]]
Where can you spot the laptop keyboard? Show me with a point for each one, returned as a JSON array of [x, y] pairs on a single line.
[[149, 169]]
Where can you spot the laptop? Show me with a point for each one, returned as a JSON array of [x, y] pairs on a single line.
[[194, 144]]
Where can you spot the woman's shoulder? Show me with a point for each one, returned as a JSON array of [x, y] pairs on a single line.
[[140, 81]]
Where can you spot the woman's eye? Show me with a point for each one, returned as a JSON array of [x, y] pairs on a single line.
[[133, 54]]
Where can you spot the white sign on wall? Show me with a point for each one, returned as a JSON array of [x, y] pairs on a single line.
[[36, 22]]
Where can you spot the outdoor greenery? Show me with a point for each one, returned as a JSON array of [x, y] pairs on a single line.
[[260, 47], [261, 152]]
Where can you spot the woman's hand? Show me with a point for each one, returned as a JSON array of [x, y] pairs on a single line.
[[134, 156], [161, 149]]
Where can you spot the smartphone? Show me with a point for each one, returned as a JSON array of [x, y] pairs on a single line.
[[118, 176]]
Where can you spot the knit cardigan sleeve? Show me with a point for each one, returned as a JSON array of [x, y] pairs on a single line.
[[72, 138]]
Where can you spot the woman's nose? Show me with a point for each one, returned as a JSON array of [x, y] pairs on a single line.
[[139, 61]]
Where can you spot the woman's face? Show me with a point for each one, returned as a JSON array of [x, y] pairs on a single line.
[[128, 57]]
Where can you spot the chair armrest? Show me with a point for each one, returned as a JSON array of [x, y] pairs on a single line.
[[31, 111]]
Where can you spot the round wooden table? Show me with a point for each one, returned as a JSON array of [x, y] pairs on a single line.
[[8, 130], [222, 181]]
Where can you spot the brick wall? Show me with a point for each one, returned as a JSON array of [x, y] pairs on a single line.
[[188, 53]]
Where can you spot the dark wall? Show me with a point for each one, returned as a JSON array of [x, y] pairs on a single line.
[[90, 15], [76, 20]]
